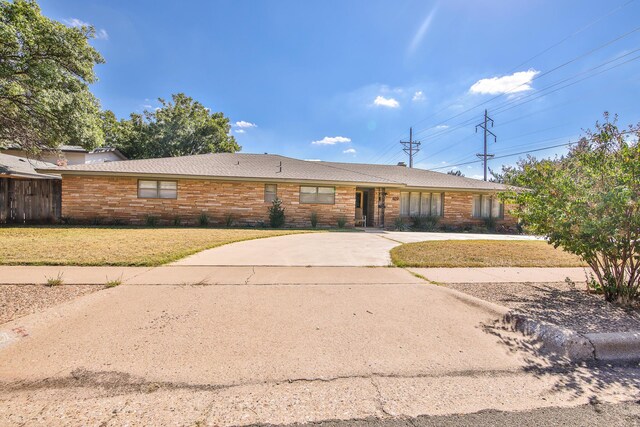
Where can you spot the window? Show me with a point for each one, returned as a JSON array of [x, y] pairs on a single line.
[[157, 189], [487, 206], [414, 203], [320, 195], [270, 192]]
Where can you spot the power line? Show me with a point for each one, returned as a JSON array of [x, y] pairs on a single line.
[[564, 64], [521, 152], [539, 94], [600, 18]]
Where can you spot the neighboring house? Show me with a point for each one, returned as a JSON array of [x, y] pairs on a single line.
[[26, 195], [71, 155], [244, 185]]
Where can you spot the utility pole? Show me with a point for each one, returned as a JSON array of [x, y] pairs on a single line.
[[487, 132], [411, 147]]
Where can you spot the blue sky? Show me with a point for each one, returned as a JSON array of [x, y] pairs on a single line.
[[344, 80]]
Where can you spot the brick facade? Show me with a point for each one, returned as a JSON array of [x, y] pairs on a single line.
[[458, 211], [87, 198], [107, 199]]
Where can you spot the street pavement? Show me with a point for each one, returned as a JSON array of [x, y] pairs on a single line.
[[276, 345]]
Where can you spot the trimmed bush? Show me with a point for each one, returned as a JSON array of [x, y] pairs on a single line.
[[276, 214]]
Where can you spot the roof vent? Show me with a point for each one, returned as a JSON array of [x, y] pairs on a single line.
[[403, 164]]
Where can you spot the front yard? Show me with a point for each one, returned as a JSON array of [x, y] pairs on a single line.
[[124, 246], [482, 253]]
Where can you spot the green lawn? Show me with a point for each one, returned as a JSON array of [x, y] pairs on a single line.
[[57, 245], [482, 253]]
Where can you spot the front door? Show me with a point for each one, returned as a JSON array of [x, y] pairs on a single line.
[[359, 218]]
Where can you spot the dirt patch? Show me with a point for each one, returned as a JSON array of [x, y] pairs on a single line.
[[560, 303], [21, 300]]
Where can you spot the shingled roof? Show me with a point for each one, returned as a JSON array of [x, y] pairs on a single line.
[[19, 167], [270, 167]]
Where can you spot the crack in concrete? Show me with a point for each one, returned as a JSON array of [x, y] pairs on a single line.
[[379, 399], [120, 382], [253, 273]]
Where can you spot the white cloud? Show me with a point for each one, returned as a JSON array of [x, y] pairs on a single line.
[[386, 102], [418, 96], [422, 30], [331, 140], [239, 131], [243, 124], [350, 151], [101, 34], [441, 127], [516, 82], [477, 176]]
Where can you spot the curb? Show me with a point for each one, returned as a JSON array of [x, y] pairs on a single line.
[[604, 347]]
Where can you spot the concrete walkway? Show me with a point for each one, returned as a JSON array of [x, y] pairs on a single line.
[[502, 274], [212, 275]]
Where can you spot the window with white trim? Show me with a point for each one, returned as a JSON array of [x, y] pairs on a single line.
[[270, 192], [415, 203], [318, 195], [487, 206], [148, 189]]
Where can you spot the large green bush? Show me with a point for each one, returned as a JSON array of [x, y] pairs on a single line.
[[276, 214], [588, 202]]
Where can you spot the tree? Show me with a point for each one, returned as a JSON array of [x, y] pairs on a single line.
[[457, 172], [588, 202], [45, 72], [510, 174], [276, 214], [179, 127]]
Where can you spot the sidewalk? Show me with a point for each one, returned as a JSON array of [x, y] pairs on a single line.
[[194, 275], [199, 275], [502, 274]]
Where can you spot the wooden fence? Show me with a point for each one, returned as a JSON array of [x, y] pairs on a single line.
[[30, 200]]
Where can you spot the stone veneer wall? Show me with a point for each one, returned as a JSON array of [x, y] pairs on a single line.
[[458, 209], [87, 198]]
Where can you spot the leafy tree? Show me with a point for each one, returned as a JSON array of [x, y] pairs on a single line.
[[510, 174], [457, 172], [179, 127], [588, 202], [45, 70]]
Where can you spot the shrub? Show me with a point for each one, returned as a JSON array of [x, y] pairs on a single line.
[[151, 221], [177, 221], [203, 220], [588, 202], [117, 222], [276, 214], [68, 220], [55, 281], [342, 221], [229, 219], [261, 224], [490, 223], [314, 219], [399, 224], [96, 220], [424, 222]]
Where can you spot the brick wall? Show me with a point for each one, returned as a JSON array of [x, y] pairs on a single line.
[[458, 210], [116, 198]]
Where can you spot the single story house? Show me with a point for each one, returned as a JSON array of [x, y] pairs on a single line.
[[244, 185], [27, 195]]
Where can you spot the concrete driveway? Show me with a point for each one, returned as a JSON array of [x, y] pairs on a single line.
[[324, 249], [313, 249]]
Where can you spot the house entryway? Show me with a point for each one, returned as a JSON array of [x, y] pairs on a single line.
[[364, 201]]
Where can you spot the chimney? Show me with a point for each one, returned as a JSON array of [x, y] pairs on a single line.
[[403, 164]]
